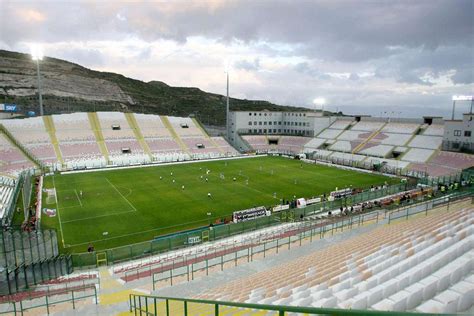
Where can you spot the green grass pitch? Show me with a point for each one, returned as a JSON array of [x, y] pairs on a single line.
[[125, 206]]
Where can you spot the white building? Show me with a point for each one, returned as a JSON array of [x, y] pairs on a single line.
[[459, 134], [275, 123]]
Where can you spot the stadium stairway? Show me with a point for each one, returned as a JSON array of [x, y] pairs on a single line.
[[173, 133], [132, 122], [49, 125], [367, 140], [95, 126], [206, 135], [15, 142]]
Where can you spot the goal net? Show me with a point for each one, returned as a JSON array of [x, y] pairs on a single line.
[[51, 196]]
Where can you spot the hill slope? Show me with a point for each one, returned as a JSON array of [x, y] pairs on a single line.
[[69, 87]]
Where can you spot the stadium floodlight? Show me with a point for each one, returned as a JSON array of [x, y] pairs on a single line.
[[463, 98], [37, 55], [319, 101]]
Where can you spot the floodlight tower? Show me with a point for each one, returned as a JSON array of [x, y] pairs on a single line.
[[227, 123], [461, 98], [37, 56], [227, 119]]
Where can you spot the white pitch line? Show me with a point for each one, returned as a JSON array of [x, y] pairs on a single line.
[[77, 195], [113, 186], [59, 214], [98, 216]]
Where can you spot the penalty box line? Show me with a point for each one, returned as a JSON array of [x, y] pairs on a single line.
[[98, 216]]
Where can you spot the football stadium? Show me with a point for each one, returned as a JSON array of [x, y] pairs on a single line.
[[125, 197]]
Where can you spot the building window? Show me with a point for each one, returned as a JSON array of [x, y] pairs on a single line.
[[270, 123], [455, 145], [265, 123], [279, 130], [265, 130], [250, 123], [250, 114], [457, 132], [254, 122], [260, 130], [255, 114], [259, 114], [467, 133], [259, 123]]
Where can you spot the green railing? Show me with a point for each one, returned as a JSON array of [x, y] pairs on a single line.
[[49, 300], [187, 266], [424, 207], [180, 240], [157, 305]]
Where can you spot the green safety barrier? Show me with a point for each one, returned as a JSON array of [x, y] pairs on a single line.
[[154, 305]]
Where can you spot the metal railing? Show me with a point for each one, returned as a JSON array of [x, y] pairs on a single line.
[[158, 305], [189, 265], [49, 300]]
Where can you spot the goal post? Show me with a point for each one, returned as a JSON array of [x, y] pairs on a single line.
[[51, 196]]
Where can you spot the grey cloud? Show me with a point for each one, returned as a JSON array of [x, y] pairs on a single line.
[[401, 41], [354, 77], [333, 29], [248, 65], [464, 76], [85, 56], [309, 70]]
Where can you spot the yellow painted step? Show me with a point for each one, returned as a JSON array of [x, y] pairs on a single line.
[[95, 126], [173, 133], [361, 145], [203, 131], [49, 124], [132, 122]]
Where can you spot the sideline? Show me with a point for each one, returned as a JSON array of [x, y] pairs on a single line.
[[159, 164], [59, 214]]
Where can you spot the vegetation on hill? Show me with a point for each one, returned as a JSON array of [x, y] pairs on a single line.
[[68, 87]]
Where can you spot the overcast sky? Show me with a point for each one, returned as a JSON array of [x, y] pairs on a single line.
[[406, 57]]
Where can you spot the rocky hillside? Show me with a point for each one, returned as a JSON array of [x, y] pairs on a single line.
[[68, 87]]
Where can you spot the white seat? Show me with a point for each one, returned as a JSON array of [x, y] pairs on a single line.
[[430, 306], [399, 300], [449, 299], [430, 287], [466, 295], [375, 295], [416, 295]]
